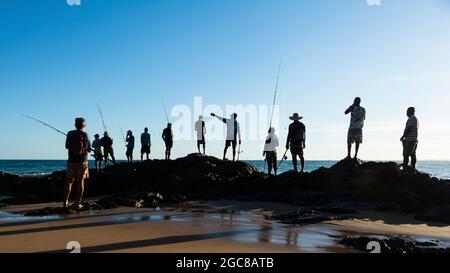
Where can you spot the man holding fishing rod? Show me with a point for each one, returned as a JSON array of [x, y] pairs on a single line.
[[78, 146], [233, 132]]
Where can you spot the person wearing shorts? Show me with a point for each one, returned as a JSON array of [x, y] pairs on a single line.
[[296, 141], [270, 151], [167, 136], [146, 143], [233, 133], [410, 139], [98, 152], [200, 128], [355, 132], [78, 146]]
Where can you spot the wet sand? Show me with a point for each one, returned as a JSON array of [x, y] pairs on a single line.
[[225, 227]]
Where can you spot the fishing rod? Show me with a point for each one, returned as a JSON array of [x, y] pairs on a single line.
[[45, 124], [123, 136], [273, 103], [275, 94], [105, 129], [284, 158], [165, 112]]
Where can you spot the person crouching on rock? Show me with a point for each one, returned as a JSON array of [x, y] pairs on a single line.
[[167, 136], [296, 141], [270, 151], [78, 146], [410, 139], [98, 152]]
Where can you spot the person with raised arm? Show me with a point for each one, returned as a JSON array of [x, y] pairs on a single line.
[[233, 133]]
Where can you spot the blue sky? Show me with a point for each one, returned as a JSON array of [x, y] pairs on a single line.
[[57, 61]]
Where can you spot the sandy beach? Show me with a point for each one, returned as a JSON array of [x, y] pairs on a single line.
[[225, 227]]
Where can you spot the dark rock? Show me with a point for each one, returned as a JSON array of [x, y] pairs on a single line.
[[350, 181], [439, 214], [305, 216]]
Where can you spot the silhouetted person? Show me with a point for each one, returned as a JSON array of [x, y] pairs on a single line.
[[146, 143], [355, 132], [410, 139], [233, 132], [296, 141], [200, 128], [167, 136], [78, 146], [270, 151], [98, 152], [130, 146], [107, 143]]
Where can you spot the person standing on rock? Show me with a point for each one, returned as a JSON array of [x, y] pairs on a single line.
[[130, 146], [98, 152], [233, 132], [146, 143], [296, 141], [107, 143], [78, 146], [410, 139], [200, 128], [355, 132], [270, 151], [167, 136]]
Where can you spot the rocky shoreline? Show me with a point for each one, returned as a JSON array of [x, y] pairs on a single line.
[[348, 186]]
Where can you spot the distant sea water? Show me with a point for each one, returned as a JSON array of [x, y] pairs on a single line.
[[440, 169]]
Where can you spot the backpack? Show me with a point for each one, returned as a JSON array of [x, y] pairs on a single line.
[[79, 146]]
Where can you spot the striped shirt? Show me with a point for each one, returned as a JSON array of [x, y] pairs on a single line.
[[413, 125]]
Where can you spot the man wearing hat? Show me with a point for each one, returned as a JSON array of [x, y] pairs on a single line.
[[296, 140], [130, 146]]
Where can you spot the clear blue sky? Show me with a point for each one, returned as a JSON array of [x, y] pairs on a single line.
[[57, 61]]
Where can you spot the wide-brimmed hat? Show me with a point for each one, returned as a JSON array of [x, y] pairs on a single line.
[[295, 116]]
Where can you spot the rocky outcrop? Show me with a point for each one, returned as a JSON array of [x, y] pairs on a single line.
[[350, 184]]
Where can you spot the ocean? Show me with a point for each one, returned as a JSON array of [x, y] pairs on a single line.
[[440, 169]]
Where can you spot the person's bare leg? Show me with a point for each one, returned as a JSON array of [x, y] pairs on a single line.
[[413, 162], [225, 153], [234, 153], [204, 149], [148, 156], [302, 161], [294, 162], [356, 150], [142, 157], [67, 190], [269, 166], [349, 149], [80, 191]]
